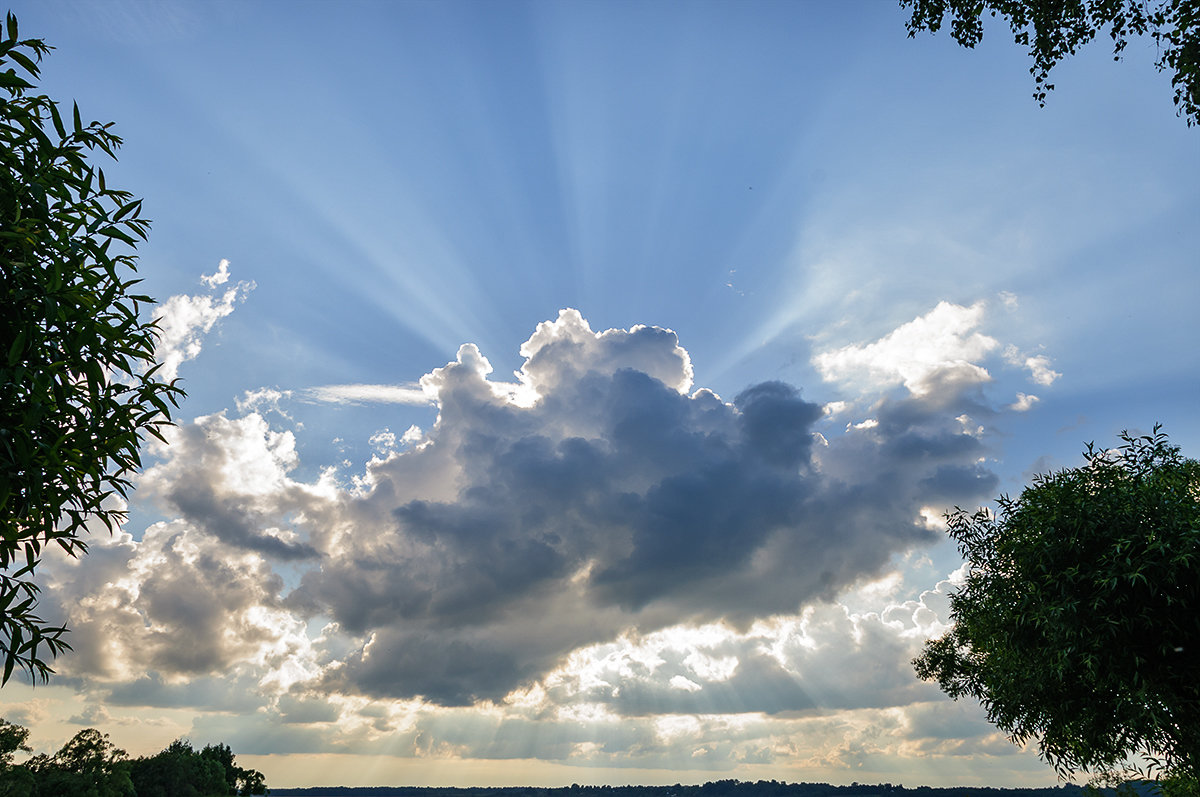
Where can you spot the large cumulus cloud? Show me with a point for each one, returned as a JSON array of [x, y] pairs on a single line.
[[597, 493], [600, 492], [594, 562]]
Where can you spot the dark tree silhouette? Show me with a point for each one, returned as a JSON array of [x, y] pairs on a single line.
[[1078, 624], [1055, 29], [88, 765]]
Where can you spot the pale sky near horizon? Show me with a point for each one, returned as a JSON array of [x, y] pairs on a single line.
[[575, 388]]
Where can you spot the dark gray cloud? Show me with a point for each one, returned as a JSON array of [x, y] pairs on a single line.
[[234, 522], [223, 693], [609, 499], [596, 495], [455, 669], [299, 710], [227, 478]]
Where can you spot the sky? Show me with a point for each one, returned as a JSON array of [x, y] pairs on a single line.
[[575, 390]]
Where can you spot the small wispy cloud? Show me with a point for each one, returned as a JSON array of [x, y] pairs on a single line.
[[219, 277], [263, 399], [1024, 402], [413, 395], [1040, 370], [1038, 365]]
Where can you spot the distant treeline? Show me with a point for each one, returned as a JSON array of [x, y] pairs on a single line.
[[720, 788]]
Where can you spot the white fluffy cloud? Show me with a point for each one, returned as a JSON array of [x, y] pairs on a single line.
[[218, 277], [1038, 365], [184, 320], [939, 348], [1024, 402]]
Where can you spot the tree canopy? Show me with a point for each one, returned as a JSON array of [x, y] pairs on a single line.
[[90, 765], [1078, 623], [1055, 29], [78, 391]]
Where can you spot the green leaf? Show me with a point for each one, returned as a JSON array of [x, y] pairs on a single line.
[[11, 80], [58, 122], [10, 660], [17, 349], [25, 62]]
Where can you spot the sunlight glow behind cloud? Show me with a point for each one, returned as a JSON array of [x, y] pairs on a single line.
[[943, 345]]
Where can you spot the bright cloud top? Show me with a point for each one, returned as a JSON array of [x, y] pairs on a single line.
[[940, 347]]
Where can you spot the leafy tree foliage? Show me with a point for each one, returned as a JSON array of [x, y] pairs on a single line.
[[179, 771], [1078, 624], [13, 738], [14, 781], [77, 386], [89, 765], [223, 756], [17, 782], [1055, 29], [237, 780], [251, 781]]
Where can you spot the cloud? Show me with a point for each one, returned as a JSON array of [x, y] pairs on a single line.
[[92, 715], [264, 399], [369, 394], [787, 687], [176, 604], [219, 277], [1024, 402], [822, 660], [184, 320], [27, 713], [595, 497], [936, 349], [562, 350], [1038, 365], [1040, 370], [230, 478]]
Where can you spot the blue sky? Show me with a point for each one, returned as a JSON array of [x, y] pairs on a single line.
[[849, 279]]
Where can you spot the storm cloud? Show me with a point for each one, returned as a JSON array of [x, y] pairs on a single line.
[[597, 493], [600, 492]]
